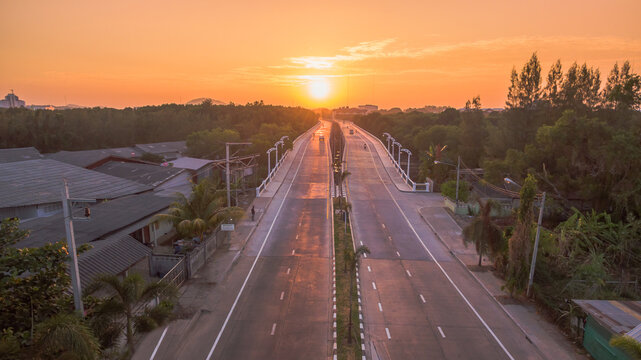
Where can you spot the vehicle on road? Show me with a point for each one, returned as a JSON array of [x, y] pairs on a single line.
[[321, 138], [351, 131]]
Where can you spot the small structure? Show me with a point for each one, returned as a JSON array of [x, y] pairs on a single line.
[[19, 154], [11, 101], [602, 319], [31, 188], [90, 159], [198, 168], [169, 150], [368, 108], [159, 177]]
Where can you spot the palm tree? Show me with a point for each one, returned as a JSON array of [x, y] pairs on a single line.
[[628, 344], [342, 176], [353, 260], [482, 232], [201, 212], [65, 336], [129, 294]]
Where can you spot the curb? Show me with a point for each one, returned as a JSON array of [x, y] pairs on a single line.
[[525, 334]]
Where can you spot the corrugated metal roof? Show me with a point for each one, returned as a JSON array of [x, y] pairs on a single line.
[[40, 181], [110, 256], [152, 175], [190, 163], [617, 316], [19, 154], [106, 218], [635, 333], [85, 158], [163, 147]]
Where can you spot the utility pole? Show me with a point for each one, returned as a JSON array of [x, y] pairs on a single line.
[[536, 247], [227, 144], [458, 171], [71, 242]]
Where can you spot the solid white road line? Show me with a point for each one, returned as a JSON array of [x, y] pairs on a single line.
[[422, 298], [441, 331], [374, 285], [273, 329], [380, 307], [389, 337], [282, 295], [447, 276], [153, 355], [262, 246]]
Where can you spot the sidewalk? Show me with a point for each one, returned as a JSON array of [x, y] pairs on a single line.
[[550, 341]]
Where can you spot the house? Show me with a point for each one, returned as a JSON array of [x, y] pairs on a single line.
[[169, 150], [19, 154], [165, 180], [198, 168], [90, 159], [602, 319], [32, 188]]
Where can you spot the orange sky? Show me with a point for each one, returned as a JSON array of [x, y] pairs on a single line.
[[390, 53]]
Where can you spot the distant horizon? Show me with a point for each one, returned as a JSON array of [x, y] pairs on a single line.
[[405, 54]]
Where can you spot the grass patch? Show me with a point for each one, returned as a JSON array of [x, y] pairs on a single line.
[[343, 241]]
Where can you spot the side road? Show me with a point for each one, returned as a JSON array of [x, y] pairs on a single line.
[[192, 303]]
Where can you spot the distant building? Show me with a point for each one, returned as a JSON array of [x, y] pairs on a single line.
[[199, 168], [41, 107], [11, 101], [368, 108], [19, 154], [90, 159], [169, 150]]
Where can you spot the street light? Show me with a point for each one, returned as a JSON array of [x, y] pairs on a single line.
[[279, 142], [399, 150], [458, 171], [387, 136], [409, 153], [269, 166], [536, 239]]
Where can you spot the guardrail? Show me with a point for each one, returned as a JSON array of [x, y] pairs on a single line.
[[416, 187]]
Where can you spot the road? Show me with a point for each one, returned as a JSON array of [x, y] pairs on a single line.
[[276, 302], [418, 301]]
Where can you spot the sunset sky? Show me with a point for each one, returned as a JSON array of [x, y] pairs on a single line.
[[309, 53]]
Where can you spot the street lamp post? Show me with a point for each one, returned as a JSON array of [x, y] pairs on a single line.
[[535, 251], [409, 153], [269, 166], [227, 145], [387, 136]]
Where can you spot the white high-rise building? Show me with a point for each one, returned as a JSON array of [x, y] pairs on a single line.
[[11, 101]]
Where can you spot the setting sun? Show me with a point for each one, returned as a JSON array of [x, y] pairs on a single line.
[[318, 88]]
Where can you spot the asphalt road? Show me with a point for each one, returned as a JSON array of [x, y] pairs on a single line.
[[418, 301], [276, 303]]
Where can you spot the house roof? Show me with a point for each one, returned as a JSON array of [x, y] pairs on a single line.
[[19, 154], [110, 256], [34, 182], [190, 163], [163, 147], [152, 175], [617, 316], [86, 158], [106, 218]]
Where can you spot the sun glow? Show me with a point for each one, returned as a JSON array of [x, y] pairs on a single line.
[[318, 88]]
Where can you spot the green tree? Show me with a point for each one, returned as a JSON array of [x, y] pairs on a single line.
[[525, 88], [65, 336], [623, 88], [552, 89], [129, 293], [486, 236], [628, 344], [201, 212], [520, 242], [448, 189], [351, 259]]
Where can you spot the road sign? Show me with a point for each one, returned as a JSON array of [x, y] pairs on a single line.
[[227, 227]]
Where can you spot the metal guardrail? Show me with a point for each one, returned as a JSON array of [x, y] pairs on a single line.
[[416, 187]]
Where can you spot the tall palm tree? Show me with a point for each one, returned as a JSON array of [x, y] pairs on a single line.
[[129, 294], [201, 212], [628, 344], [65, 336], [482, 232]]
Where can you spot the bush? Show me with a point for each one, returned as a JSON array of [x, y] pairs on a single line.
[[448, 189]]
